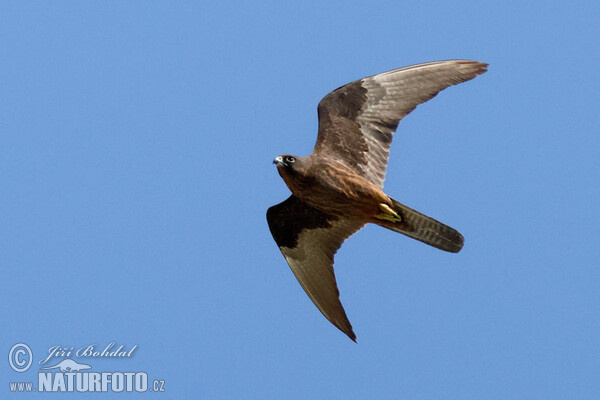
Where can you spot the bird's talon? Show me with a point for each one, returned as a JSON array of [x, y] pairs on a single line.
[[388, 214]]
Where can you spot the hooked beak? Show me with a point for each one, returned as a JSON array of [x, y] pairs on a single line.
[[278, 161]]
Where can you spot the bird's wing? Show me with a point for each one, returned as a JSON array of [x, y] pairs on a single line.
[[308, 239], [356, 121]]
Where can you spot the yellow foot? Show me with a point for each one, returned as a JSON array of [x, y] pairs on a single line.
[[388, 214]]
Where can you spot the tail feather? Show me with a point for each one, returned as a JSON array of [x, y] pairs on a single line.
[[425, 229]]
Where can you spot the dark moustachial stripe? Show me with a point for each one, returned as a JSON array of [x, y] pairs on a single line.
[[288, 219]]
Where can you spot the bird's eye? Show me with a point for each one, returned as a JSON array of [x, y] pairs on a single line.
[[290, 159]]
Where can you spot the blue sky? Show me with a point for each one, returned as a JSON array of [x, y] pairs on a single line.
[[137, 140]]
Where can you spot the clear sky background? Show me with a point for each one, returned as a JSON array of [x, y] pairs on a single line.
[[137, 141]]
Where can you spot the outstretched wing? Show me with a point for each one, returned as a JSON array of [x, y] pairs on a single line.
[[308, 239], [356, 121]]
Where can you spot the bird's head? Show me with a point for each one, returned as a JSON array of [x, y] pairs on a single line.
[[288, 165], [287, 161]]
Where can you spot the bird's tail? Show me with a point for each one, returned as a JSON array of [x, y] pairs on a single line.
[[423, 228]]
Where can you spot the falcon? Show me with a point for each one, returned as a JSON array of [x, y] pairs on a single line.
[[338, 188]]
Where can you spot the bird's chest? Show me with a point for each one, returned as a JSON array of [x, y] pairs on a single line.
[[337, 191]]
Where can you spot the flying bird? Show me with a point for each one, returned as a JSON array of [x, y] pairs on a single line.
[[338, 188]]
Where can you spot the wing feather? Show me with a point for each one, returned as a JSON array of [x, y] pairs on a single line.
[[309, 239], [357, 120]]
